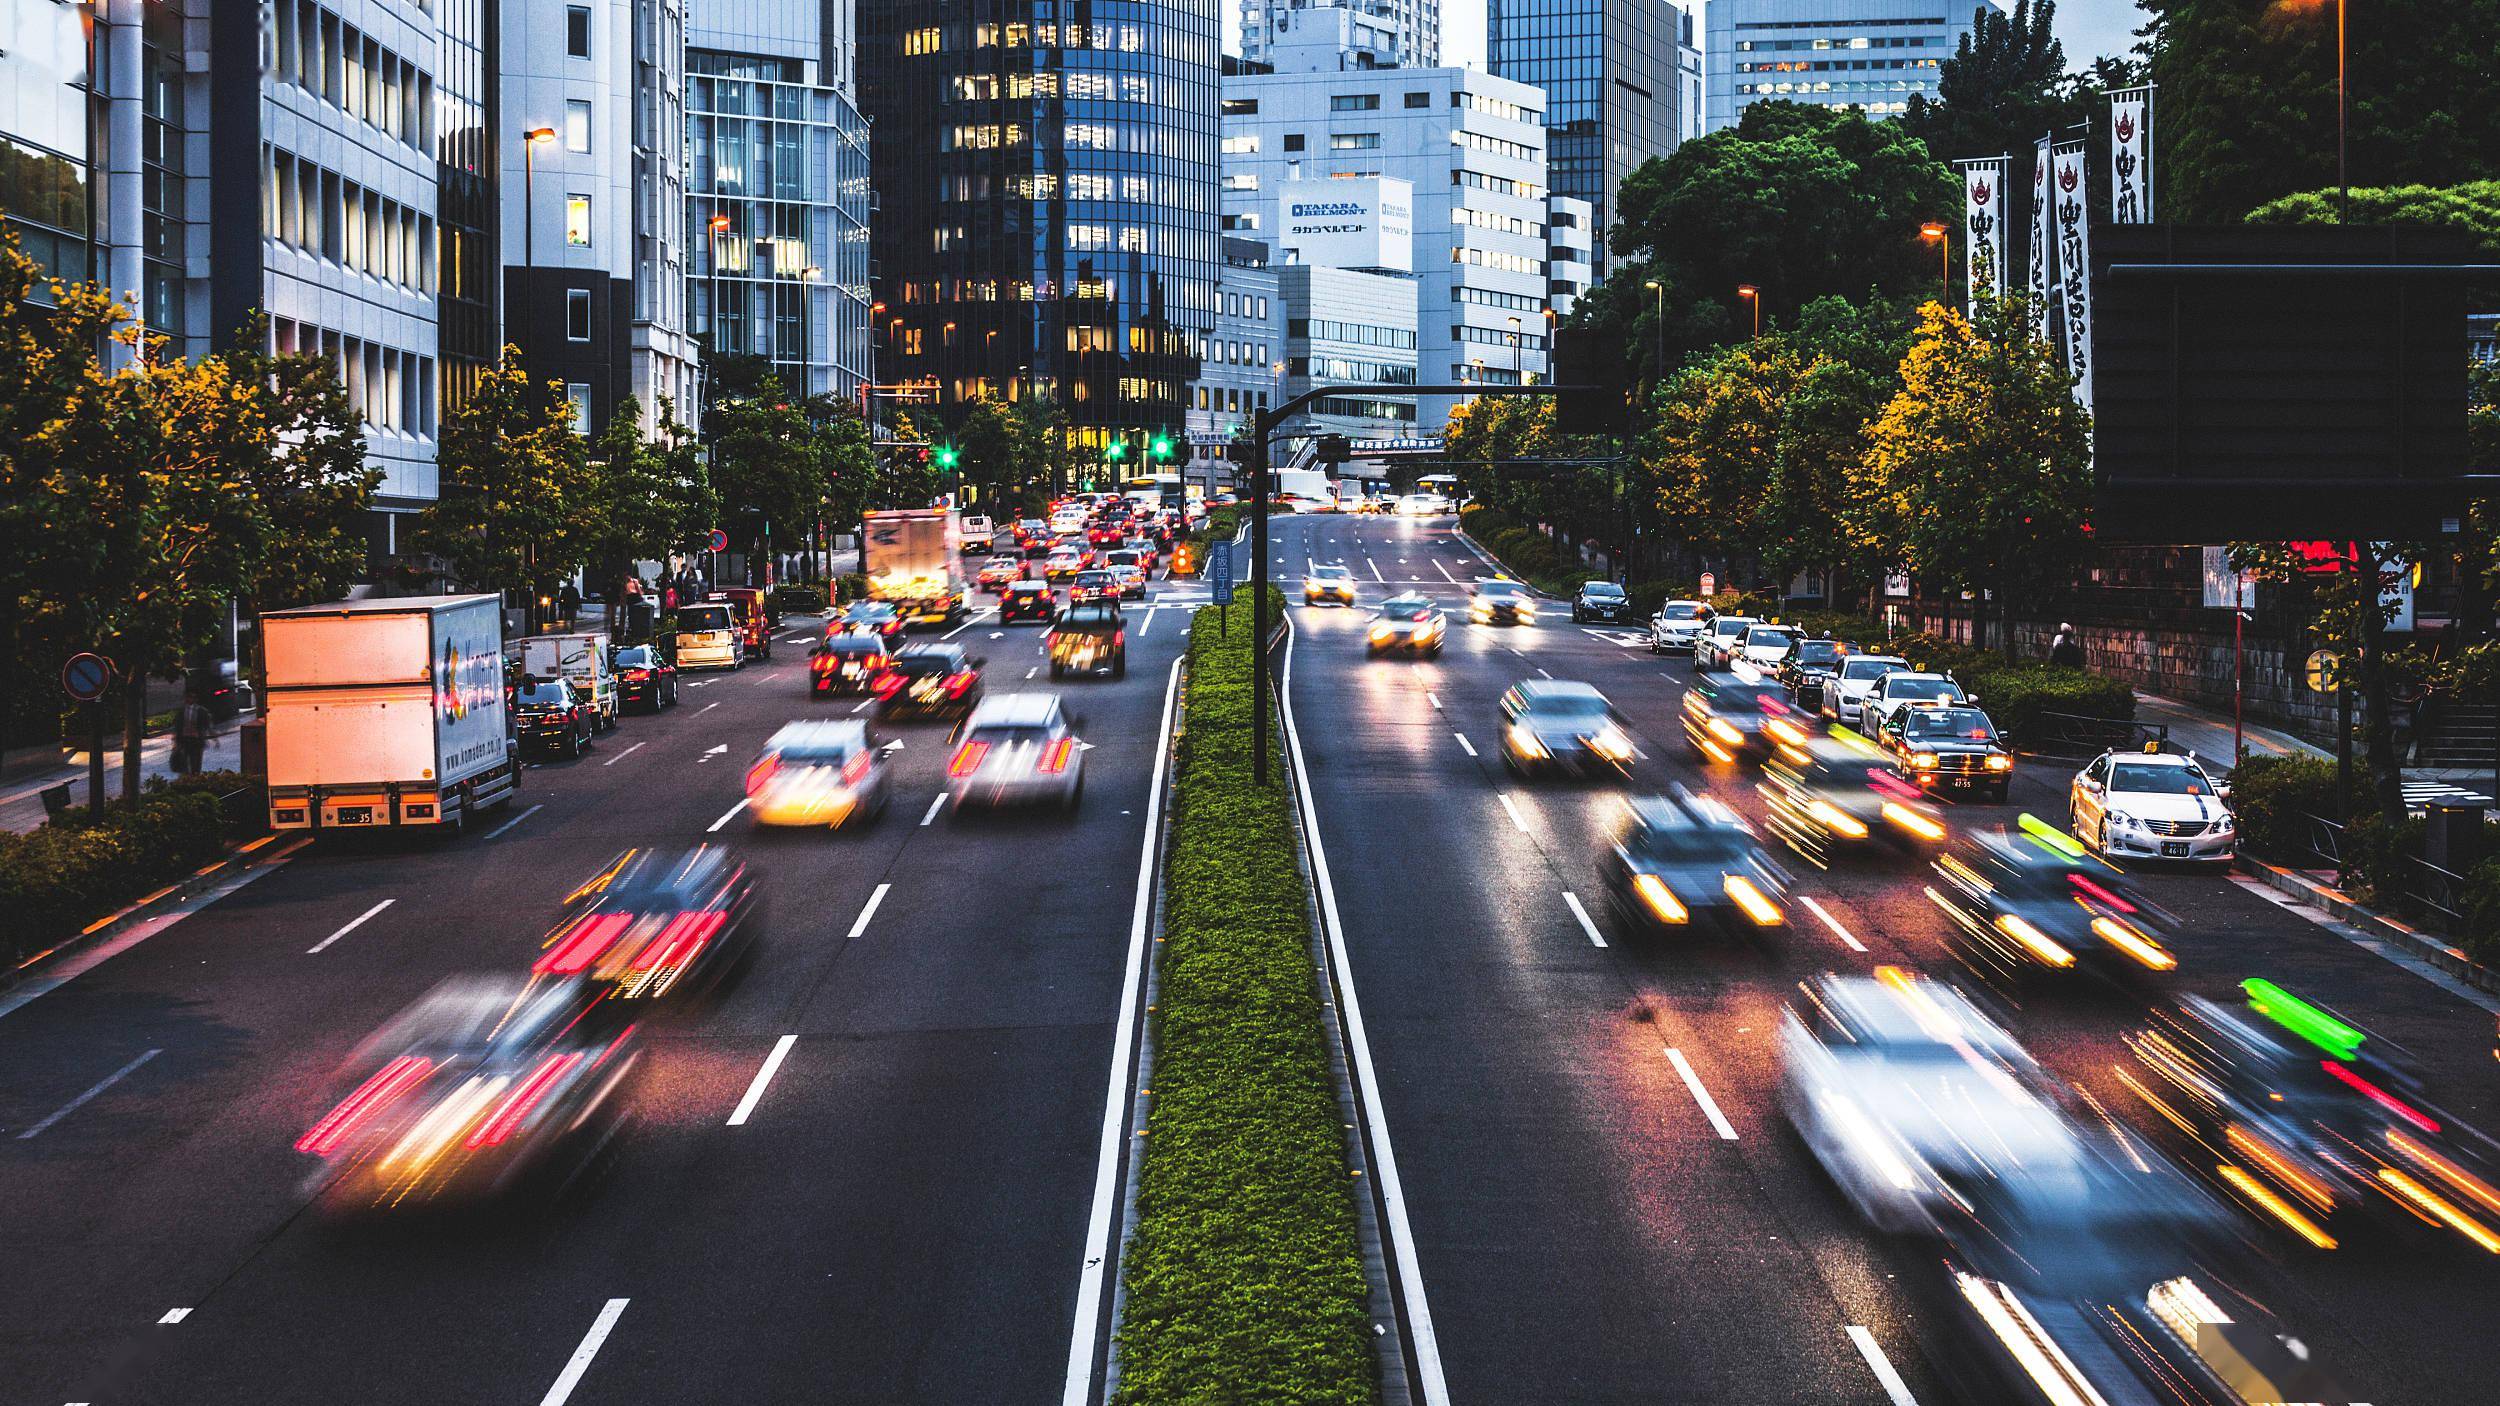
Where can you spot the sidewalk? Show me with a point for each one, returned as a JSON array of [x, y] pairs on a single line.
[[2208, 734], [21, 804]]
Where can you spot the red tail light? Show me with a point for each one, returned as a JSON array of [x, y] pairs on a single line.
[[1055, 757], [822, 663], [635, 675], [1119, 638], [678, 943], [761, 772], [376, 1093], [2104, 895], [957, 683], [2379, 1096], [506, 1119], [889, 683], [967, 759], [583, 945], [856, 769]]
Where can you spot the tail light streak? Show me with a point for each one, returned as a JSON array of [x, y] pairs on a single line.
[[375, 1094]]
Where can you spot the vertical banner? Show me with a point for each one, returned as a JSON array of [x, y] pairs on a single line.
[[2040, 232], [2131, 156], [1983, 222], [2071, 194]]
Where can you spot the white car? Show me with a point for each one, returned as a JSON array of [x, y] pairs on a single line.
[[1017, 749], [1904, 689], [1766, 645], [1673, 629], [1859, 673], [818, 774], [1717, 642], [2152, 805]]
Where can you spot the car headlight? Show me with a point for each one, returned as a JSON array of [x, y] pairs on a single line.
[[1661, 902], [1998, 761], [2124, 821], [1611, 744], [1382, 634], [2223, 826], [1726, 732], [1525, 743], [1924, 761]]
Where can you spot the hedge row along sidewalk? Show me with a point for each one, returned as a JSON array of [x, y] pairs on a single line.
[[1244, 1281], [64, 876]]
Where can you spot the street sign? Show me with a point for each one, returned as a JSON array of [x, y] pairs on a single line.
[[2321, 671], [719, 540], [1220, 571], [86, 676], [1709, 584]]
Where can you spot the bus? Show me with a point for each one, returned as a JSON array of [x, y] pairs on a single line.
[[1445, 485], [1153, 490]]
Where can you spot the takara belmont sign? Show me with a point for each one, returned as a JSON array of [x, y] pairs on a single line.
[[1354, 224]]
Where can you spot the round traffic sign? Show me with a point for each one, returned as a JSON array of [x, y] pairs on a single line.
[[1709, 584], [86, 676], [719, 540], [2321, 671]]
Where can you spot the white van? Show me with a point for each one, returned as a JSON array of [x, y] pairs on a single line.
[[581, 658]]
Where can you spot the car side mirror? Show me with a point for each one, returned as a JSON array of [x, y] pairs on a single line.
[[1971, 698], [2222, 790]]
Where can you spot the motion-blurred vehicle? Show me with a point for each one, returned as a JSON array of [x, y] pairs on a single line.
[[2151, 805], [822, 774], [645, 676], [658, 928], [1146, 548], [976, 533], [1088, 638], [1064, 562], [1093, 585], [928, 679], [1017, 749], [1732, 716], [1562, 725], [872, 617], [708, 637], [1501, 601], [1809, 669], [910, 557], [1683, 860], [1948, 750], [1027, 600], [1716, 643], [1673, 629], [1833, 794], [1131, 581], [486, 1087], [1409, 622], [846, 662], [1601, 600], [1764, 646], [550, 716], [1905, 689], [1857, 676], [2028, 908], [1328, 585], [997, 572], [1031, 532]]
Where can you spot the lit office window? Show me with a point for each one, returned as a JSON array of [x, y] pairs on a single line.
[[577, 125], [577, 221]]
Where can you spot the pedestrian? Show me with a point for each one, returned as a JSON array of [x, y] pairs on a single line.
[[2066, 651], [668, 598], [191, 724], [569, 600]]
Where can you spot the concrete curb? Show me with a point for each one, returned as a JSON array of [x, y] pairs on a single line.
[[192, 889], [2344, 908]]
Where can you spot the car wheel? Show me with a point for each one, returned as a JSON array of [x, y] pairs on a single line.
[[2101, 843], [1057, 670], [1119, 667]]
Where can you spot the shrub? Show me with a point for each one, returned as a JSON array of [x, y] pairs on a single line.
[[2480, 904], [849, 587], [2016, 697], [2272, 797], [60, 877]]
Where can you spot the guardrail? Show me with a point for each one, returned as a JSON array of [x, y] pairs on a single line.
[[2425, 892]]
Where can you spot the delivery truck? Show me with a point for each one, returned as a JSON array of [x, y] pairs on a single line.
[[910, 558], [387, 713], [581, 658]]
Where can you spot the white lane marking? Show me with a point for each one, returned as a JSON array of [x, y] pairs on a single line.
[[498, 832], [1434, 699], [1401, 561], [703, 683], [1093, 1277], [352, 924], [1430, 1382], [870, 911], [1375, 566], [571, 1376], [936, 804], [801, 638], [1032, 671], [862, 705], [1147, 623], [52, 977], [1895, 1389], [1541, 670], [1516, 819], [624, 754], [969, 622], [699, 712], [1709, 1105], [763, 1076], [79, 1102], [1587, 925], [2387, 951], [720, 749], [175, 1315], [1445, 573], [1833, 923], [726, 816], [1463, 744]]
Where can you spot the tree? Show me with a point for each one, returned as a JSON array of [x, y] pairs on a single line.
[[1983, 458], [1814, 512], [767, 465], [992, 445], [1710, 454], [647, 497], [2004, 85], [515, 511], [2471, 209], [316, 482]]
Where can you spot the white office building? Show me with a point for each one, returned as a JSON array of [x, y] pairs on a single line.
[[1570, 251], [1344, 326], [1865, 54], [1240, 366], [1371, 33]]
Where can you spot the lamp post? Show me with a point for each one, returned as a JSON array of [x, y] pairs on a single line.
[[531, 140], [718, 225], [1654, 286], [1551, 363], [1752, 295], [1943, 238], [1515, 377]]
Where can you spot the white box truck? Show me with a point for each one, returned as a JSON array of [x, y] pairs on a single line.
[[580, 658], [909, 556], [387, 713], [976, 535]]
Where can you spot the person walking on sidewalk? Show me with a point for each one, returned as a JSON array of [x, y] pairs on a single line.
[[2066, 651], [191, 724]]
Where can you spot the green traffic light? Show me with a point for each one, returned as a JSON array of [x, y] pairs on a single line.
[[1160, 446], [948, 456], [1116, 449]]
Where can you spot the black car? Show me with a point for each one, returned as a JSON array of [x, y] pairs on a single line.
[[1949, 749], [1027, 600], [2025, 908], [645, 675], [656, 926], [549, 714], [846, 663], [1809, 666], [1088, 637], [1601, 600], [928, 678], [1092, 586], [873, 617], [1409, 622], [1831, 795], [1683, 860]]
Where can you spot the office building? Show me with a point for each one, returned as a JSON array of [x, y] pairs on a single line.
[[1865, 54], [468, 195], [1608, 70], [1047, 229], [777, 191], [1371, 33], [1570, 252], [1240, 367], [1344, 326], [1689, 93]]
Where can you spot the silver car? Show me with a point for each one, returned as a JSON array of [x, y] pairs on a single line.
[[1719, 640], [1017, 749], [1673, 629], [818, 773]]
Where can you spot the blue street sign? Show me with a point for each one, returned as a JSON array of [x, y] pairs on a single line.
[[1220, 571], [85, 675], [719, 540]]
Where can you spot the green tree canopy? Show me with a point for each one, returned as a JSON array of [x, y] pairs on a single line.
[[516, 510], [2003, 86]]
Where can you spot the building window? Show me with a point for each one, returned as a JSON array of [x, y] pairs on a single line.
[[577, 31], [577, 221], [577, 314], [577, 395], [1354, 102], [1293, 141], [1354, 141], [1419, 100], [577, 124], [1240, 107]]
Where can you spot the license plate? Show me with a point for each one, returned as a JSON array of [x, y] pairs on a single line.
[[2174, 849], [354, 815], [1957, 782]]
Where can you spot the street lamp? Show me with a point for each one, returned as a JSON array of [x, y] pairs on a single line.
[[718, 225], [1943, 237], [1660, 289], [1752, 295], [531, 140], [1514, 351]]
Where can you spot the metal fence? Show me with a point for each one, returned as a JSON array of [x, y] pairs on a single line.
[[2077, 736], [2423, 891]]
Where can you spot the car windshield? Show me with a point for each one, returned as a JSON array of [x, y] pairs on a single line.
[[1567, 706], [2142, 778], [703, 617], [1729, 625], [1124, 558], [1868, 668], [1005, 563], [1959, 724], [1919, 690], [1077, 616], [1680, 610], [547, 695], [1028, 588], [1405, 608], [1607, 589], [1816, 652], [638, 657], [1093, 578], [1501, 588], [1745, 697], [1330, 573], [1678, 842], [1005, 735], [854, 644], [870, 612], [1770, 635]]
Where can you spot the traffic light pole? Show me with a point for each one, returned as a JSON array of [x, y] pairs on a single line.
[[1263, 428]]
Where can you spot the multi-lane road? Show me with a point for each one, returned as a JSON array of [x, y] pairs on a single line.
[[1602, 1199]]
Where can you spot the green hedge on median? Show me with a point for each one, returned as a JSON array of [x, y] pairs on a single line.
[[56, 879], [1243, 1280]]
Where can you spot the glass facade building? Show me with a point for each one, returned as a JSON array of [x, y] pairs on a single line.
[[1608, 68], [1046, 173], [1865, 54], [465, 180], [47, 162]]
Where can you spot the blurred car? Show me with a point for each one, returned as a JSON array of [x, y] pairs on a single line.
[[1833, 794], [1673, 629], [486, 1087], [2026, 908], [1146, 549], [998, 571], [1088, 638], [1856, 678], [645, 676], [1131, 580], [872, 617], [1027, 600], [1562, 725], [1715, 644], [1809, 668], [1032, 532], [1409, 622], [2151, 805], [1906, 689], [1328, 585], [1764, 646], [824, 773], [846, 662], [1500, 601], [1948, 750], [1017, 749], [1731, 716], [1684, 860], [1064, 562], [658, 926], [1107, 530], [928, 679], [548, 714], [1093, 585], [1601, 600]]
